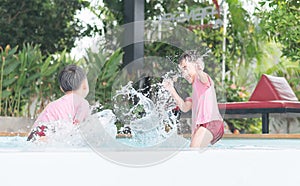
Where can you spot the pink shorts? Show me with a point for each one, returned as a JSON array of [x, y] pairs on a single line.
[[216, 127]]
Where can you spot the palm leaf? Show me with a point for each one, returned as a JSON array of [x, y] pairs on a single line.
[[12, 51], [6, 94], [8, 82], [10, 66]]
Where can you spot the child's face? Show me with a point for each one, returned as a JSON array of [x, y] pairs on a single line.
[[85, 87], [188, 70]]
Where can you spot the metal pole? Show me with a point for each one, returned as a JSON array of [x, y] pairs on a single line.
[[265, 123], [134, 30]]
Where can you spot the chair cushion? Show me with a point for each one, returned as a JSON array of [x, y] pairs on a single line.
[[259, 104], [272, 88]]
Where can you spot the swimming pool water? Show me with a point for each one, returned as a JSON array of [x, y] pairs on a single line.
[[19, 143]]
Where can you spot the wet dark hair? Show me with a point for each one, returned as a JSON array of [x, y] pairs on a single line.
[[71, 77], [194, 57], [185, 56]]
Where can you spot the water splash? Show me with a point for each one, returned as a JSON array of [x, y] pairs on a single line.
[[173, 75], [58, 135], [63, 134], [150, 116], [151, 119]]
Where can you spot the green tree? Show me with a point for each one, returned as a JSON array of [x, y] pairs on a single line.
[[278, 31], [279, 21], [49, 23], [114, 9]]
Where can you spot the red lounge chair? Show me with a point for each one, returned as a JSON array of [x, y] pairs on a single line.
[[272, 95]]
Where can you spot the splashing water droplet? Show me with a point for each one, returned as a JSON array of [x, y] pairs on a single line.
[[151, 119]]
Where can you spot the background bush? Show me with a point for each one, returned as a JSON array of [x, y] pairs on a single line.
[[28, 79]]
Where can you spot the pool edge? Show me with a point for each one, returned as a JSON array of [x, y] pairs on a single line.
[[237, 136]]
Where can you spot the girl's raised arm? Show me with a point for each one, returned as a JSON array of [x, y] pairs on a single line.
[[184, 106]]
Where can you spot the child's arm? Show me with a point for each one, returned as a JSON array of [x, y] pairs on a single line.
[[184, 106]]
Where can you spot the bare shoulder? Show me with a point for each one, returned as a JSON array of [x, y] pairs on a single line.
[[86, 104], [204, 78]]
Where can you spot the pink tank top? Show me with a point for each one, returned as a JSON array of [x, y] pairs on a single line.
[[204, 103], [70, 108]]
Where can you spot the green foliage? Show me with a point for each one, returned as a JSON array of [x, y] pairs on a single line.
[[103, 69], [17, 74], [49, 23], [241, 45], [270, 61], [138, 111], [113, 9], [279, 21], [278, 31], [236, 93], [245, 125], [28, 80], [163, 50]]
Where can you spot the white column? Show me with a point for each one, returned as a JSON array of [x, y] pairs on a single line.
[[225, 8]]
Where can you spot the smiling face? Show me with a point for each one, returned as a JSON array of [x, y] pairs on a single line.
[[188, 70]]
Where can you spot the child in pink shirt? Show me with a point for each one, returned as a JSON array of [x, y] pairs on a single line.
[[70, 108], [207, 123]]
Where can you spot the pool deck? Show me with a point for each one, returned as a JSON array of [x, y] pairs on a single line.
[[232, 136], [21, 134], [263, 136], [257, 136]]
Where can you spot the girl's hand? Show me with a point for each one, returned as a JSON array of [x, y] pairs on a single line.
[[43, 139], [168, 84]]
